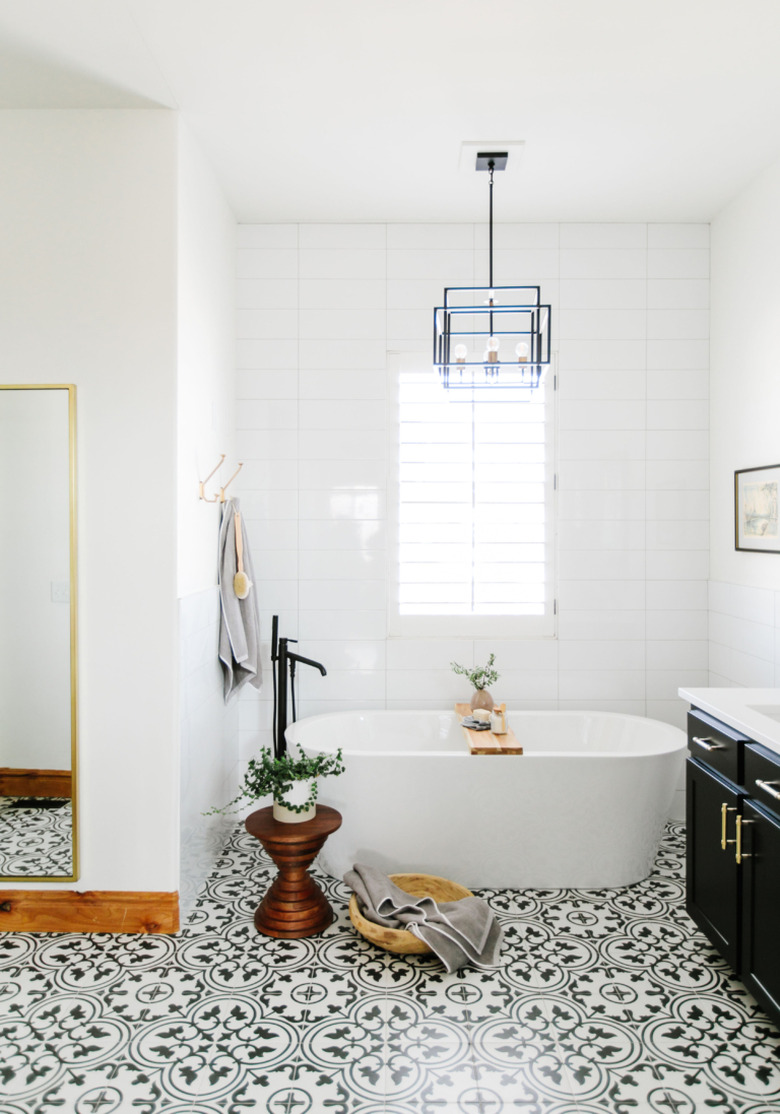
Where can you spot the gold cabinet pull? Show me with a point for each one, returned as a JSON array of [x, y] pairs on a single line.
[[740, 854], [769, 787], [707, 744], [724, 811]]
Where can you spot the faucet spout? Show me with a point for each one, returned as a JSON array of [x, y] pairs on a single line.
[[307, 661]]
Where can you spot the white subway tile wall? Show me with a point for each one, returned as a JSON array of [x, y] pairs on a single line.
[[209, 744], [320, 308]]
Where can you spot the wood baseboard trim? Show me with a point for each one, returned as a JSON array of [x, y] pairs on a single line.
[[92, 911], [34, 783]]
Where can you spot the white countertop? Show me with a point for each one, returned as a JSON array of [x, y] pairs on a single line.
[[754, 712]]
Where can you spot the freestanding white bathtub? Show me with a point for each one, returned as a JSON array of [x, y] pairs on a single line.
[[582, 807]]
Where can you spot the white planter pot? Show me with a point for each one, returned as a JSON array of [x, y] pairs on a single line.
[[298, 794]]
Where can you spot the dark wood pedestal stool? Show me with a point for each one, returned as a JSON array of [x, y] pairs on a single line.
[[295, 905]]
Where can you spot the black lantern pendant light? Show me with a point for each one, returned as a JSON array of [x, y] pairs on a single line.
[[494, 336]]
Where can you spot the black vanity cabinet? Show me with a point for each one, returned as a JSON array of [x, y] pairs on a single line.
[[760, 842], [733, 851], [713, 802]]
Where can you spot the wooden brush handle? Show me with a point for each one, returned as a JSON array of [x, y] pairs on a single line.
[[239, 542]]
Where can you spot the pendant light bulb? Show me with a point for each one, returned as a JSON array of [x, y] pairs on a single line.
[[460, 351], [522, 352]]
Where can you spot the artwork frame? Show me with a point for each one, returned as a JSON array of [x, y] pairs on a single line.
[[756, 506]]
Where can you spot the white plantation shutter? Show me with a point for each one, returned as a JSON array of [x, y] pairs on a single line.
[[474, 510]]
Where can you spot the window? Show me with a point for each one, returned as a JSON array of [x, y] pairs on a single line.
[[474, 525]]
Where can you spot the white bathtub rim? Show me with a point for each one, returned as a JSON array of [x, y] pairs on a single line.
[[677, 740]]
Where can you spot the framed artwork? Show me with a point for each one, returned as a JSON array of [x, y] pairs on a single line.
[[756, 525]]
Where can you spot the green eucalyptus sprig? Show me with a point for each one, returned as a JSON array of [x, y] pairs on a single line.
[[481, 678], [267, 775]]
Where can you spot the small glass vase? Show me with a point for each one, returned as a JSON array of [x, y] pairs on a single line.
[[482, 699], [298, 794]]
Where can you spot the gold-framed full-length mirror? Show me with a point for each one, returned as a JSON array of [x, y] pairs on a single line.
[[38, 634]]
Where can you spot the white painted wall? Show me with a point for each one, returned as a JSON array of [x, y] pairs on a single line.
[[88, 295], [206, 429], [320, 306], [745, 382], [206, 306], [745, 403]]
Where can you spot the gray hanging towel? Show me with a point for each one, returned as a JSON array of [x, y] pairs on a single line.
[[239, 623]]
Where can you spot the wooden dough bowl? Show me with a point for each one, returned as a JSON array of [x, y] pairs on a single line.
[[398, 940]]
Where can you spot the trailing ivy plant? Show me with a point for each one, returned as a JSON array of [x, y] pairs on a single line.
[[267, 775], [481, 678]]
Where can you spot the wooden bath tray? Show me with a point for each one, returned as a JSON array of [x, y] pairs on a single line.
[[485, 742]]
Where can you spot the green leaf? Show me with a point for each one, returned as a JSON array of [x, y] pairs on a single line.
[[268, 776]]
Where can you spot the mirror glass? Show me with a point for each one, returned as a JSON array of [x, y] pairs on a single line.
[[38, 633]]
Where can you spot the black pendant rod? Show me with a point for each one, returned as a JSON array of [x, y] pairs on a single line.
[[491, 167]]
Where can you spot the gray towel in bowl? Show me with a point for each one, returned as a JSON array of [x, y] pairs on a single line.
[[458, 932]]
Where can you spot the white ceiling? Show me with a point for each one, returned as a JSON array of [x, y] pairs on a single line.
[[355, 110]]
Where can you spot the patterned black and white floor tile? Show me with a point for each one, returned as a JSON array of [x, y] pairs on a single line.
[[36, 837], [605, 1002]]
